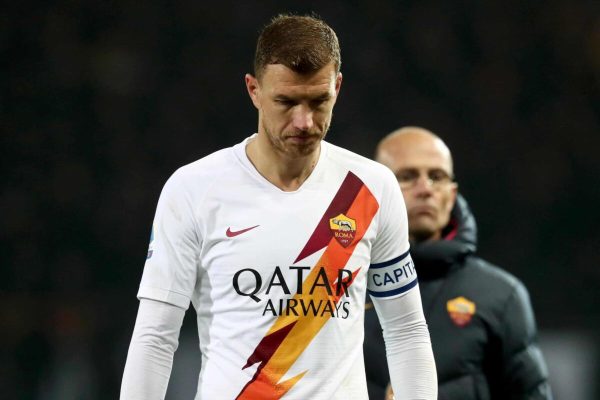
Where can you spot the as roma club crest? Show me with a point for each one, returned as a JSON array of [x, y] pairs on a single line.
[[461, 310], [343, 229]]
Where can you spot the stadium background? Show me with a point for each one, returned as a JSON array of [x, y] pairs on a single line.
[[102, 100]]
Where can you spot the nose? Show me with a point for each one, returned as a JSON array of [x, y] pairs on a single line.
[[423, 186], [303, 118]]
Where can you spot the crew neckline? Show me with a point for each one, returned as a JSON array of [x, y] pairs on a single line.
[[240, 153]]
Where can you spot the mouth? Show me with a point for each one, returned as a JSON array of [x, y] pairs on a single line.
[[302, 138], [426, 211]]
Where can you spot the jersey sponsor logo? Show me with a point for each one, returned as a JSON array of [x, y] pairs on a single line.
[[292, 332], [151, 245], [343, 228], [230, 233], [460, 310], [249, 282]]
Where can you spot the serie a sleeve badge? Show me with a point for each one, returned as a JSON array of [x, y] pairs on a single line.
[[151, 245]]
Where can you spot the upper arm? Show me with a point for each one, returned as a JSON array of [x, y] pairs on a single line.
[[170, 271], [392, 228], [391, 272]]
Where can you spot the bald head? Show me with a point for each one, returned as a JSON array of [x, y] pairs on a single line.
[[413, 139], [423, 166]]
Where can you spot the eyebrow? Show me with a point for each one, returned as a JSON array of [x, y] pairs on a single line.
[[324, 96], [423, 168], [427, 170], [321, 97]]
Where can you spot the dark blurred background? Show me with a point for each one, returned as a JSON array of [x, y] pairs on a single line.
[[102, 100]]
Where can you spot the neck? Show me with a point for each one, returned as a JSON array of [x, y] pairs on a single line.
[[286, 173]]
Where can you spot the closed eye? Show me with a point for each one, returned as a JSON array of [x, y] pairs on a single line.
[[318, 103], [285, 102]]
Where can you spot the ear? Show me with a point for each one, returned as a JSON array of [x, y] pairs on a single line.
[[338, 83], [453, 194], [253, 89]]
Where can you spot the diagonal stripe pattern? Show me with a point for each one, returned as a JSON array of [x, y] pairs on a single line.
[[291, 334]]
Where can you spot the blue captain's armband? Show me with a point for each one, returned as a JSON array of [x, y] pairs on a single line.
[[392, 277]]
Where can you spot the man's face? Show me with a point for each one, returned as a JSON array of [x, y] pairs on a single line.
[[423, 167], [294, 110]]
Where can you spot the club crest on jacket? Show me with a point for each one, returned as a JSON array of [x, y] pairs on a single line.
[[460, 310]]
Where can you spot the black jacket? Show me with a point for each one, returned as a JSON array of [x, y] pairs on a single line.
[[480, 320]]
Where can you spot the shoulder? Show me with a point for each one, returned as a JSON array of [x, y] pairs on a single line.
[[207, 167], [202, 173], [499, 285], [370, 172], [496, 274], [355, 161]]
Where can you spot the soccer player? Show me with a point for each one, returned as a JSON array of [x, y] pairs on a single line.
[[481, 321], [275, 242]]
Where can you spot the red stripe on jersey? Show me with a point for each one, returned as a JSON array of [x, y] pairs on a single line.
[[293, 332], [262, 354], [339, 205]]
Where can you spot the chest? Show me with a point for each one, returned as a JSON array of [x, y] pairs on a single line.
[[285, 243], [458, 325]]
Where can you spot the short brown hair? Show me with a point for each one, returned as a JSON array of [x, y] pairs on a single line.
[[304, 44]]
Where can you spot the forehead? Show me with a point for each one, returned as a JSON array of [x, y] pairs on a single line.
[[277, 79], [418, 153]]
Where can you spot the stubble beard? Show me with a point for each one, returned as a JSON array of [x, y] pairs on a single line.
[[285, 147]]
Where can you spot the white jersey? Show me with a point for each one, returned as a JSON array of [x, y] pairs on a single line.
[[278, 279]]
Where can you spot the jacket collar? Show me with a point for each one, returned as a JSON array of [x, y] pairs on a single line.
[[459, 239]]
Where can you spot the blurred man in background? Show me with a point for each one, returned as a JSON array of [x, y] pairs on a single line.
[[271, 241], [481, 321]]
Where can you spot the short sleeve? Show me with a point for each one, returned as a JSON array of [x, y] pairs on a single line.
[[392, 271], [170, 271]]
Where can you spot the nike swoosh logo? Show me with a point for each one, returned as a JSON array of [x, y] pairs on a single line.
[[231, 233]]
